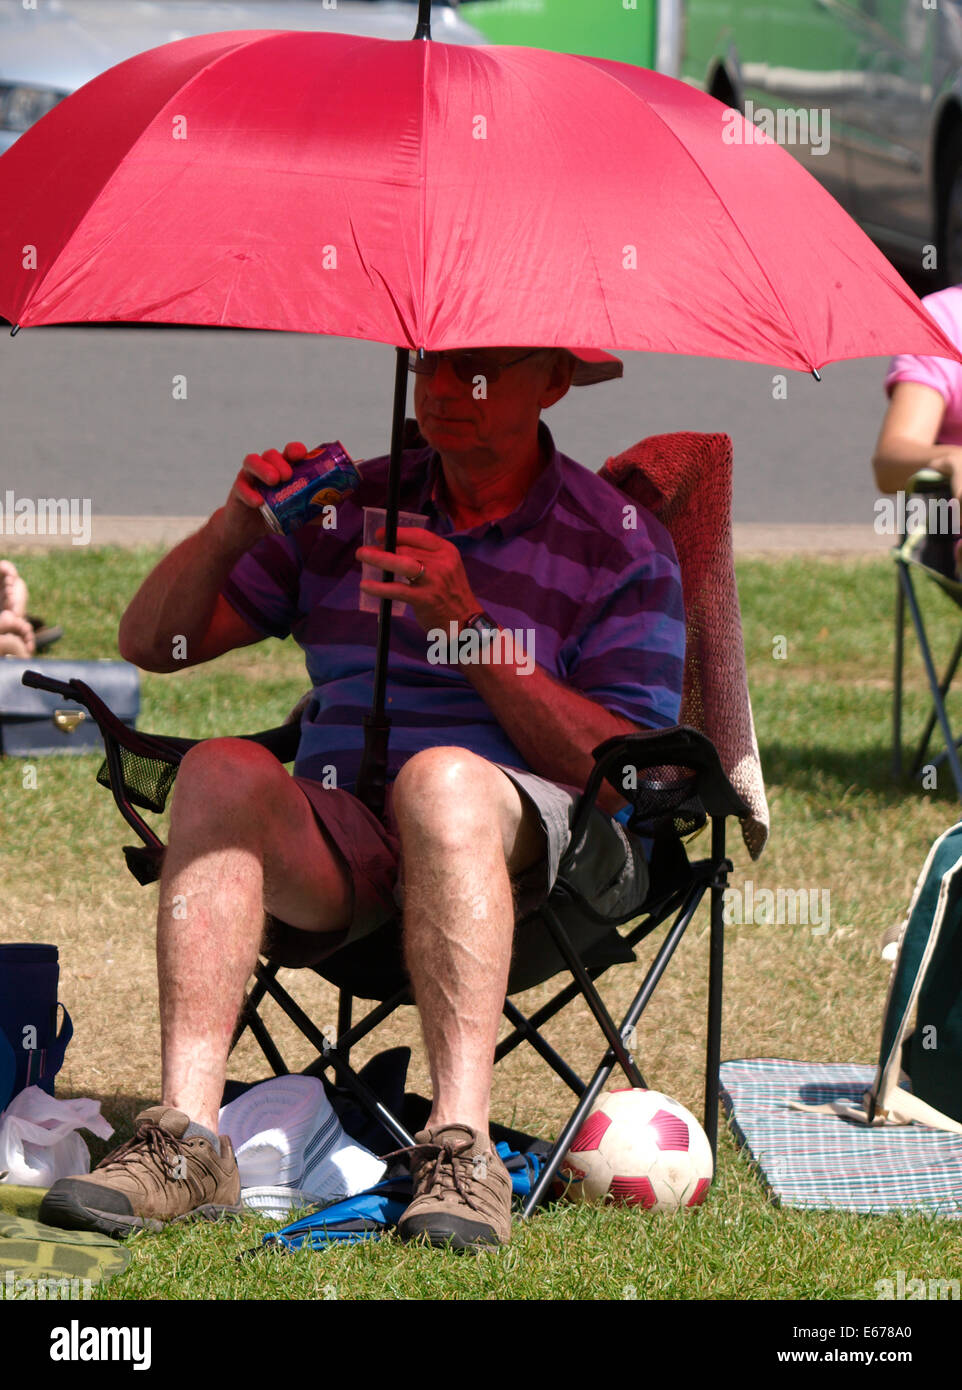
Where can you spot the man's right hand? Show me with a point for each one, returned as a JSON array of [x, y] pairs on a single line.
[[179, 616], [243, 524]]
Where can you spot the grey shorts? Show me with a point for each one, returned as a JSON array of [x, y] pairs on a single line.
[[610, 871]]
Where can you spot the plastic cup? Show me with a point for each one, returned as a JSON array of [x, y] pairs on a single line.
[[374, 519]]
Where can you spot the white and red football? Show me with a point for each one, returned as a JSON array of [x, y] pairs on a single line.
[[640, 1148]]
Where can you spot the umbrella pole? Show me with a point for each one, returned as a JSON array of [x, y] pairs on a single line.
[[423, 31], [372, 776]]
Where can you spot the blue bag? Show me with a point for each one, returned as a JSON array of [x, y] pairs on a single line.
[[31, 1049]]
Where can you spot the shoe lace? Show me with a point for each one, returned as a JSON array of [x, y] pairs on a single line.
[[453, 1169], [152, 1143]]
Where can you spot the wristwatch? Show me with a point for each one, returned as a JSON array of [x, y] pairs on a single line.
[[484, 625]]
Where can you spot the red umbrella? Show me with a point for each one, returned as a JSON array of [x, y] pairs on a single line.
[[434, 196]]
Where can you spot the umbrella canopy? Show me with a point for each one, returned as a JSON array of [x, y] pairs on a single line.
[[436, 196]]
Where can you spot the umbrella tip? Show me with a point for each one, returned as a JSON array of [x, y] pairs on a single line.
[[816, 374], [14, 330], [423, 31]]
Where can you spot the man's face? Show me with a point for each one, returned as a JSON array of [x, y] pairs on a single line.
[[483, 419]]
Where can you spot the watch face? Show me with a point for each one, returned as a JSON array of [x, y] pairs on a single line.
[[485, 627]]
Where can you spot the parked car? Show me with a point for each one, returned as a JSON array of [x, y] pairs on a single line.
[[889, 75], [48, 52]]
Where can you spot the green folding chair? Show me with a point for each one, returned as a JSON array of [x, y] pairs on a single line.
[[927, 551]]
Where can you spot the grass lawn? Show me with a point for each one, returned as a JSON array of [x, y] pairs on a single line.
[[818, 638]]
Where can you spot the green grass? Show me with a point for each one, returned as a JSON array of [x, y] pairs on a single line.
[[823, 716]]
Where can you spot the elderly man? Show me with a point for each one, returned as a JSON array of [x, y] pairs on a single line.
[[486, 760]]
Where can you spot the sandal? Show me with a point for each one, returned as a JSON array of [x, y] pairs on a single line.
[[43, 636]]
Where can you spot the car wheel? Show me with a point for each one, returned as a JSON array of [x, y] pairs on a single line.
[[950, 229]]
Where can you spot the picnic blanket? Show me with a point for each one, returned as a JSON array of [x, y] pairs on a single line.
[[826, 1161], [44, 1262]]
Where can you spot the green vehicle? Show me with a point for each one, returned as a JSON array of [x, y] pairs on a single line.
[[866, 93], [644, 32]]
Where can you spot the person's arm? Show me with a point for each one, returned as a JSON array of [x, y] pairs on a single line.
[[906, 442], [179, 617], [554, 726]]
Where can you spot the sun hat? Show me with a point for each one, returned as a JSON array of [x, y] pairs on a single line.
[[291, 1149], [591, 364], [594, 365]]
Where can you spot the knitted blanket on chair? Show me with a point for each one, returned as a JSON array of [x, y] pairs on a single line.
[[685, 479]]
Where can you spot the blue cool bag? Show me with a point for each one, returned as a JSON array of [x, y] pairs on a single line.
[[31, 1049]]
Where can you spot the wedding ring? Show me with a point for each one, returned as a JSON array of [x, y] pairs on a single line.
[[416, 579]]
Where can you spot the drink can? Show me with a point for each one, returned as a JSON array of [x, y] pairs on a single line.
[[326, 475]]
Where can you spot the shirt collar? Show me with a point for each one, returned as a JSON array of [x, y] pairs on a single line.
[[538, 501]]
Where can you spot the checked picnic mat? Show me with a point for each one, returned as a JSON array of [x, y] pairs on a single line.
[[829, 1162]]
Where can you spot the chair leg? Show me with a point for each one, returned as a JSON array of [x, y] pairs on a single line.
[[593, 1090], [333, 1056], [897, 675], [525, 1029], [944, 685], [250, 1018], [716, 958], [345, 1008], [267, 1045], [951, 751], [592, 998]]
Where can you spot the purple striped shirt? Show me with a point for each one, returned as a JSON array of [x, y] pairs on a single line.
[[602, 597]]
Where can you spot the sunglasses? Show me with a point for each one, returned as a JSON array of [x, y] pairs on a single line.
[[465, 365]]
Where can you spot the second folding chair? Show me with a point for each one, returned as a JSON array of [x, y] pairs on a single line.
[[927, 552]]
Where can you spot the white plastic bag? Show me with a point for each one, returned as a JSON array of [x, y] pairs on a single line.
[[39, 1142]]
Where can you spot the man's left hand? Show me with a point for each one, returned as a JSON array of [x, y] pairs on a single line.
[[431, 577]]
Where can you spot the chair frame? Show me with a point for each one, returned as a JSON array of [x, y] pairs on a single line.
[[905, 596], [678, 747]]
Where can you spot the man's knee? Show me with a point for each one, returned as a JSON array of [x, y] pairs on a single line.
[[225, 778], [441, 786], [458, 800]]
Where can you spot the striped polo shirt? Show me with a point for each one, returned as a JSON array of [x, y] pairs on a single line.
[[592, 576]]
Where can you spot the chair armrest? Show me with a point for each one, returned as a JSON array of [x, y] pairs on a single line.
[[144, 745], [140, 768], [685, 778], [282, 740]]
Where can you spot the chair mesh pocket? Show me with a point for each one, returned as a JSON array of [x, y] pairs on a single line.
[[665, 801], [147, 781]]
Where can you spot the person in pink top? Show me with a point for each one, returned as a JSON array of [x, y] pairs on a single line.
[[923, 424]]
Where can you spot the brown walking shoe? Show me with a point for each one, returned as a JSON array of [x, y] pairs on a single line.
[[156, 1177], [462, 1190]]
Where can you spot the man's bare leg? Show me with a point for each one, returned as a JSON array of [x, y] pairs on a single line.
[[243, 838], [464, 828]]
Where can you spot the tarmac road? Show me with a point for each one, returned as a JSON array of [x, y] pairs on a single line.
[[154, 422]]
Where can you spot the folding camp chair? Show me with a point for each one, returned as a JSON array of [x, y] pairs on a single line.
[[675, 783], [927, 552]]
